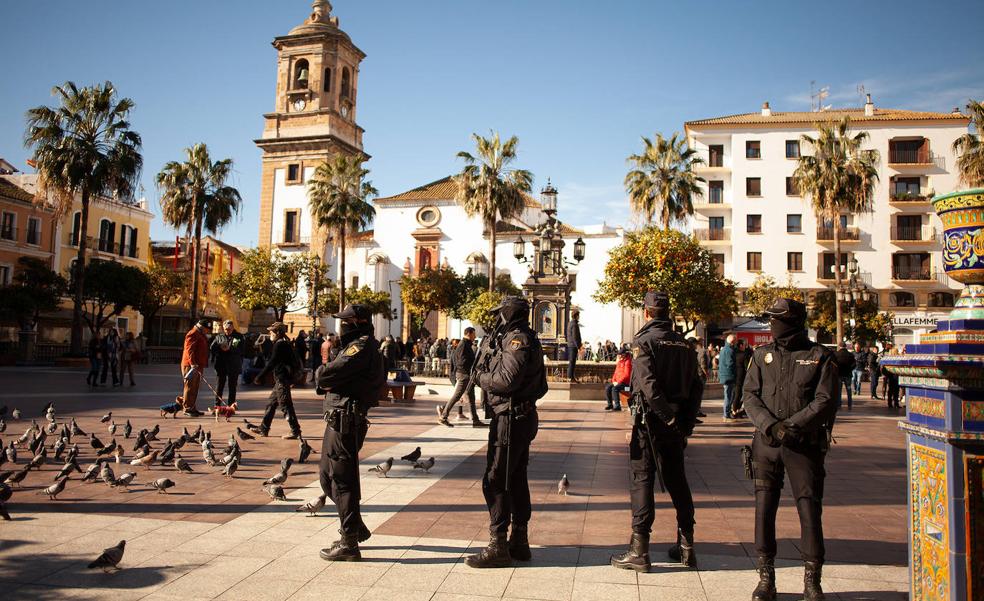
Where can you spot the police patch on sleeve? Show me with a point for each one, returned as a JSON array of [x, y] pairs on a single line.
[[516, 344], [352, 350], [768, 358]]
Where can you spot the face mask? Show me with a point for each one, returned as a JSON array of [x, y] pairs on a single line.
[[348, 327], [784, 332]]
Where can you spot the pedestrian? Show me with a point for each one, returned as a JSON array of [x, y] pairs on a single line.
[[791, 395], [845, 369], [227, 349], [351, 384], [573, 344], [874, 371], [665, 395], [194, 360], [129, 353], [727, 374], [390, 352], [142, 349], [285, 367], [619, 382], [301, 347], [111, 357], [314, 353], [463, 361], [743, 355], [891, 383], [860, 365], [95, 359], [515, 381]]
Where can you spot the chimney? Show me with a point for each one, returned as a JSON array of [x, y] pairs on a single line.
[[869, 107], [956, 110], [766, 111]]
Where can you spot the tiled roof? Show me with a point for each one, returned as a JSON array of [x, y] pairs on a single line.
[[442, 189], [778, 117], [9, 189]]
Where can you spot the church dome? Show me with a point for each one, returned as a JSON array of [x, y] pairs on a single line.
[[320, 20]]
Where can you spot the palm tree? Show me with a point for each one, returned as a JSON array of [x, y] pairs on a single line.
[[487, 187], [83, 148], [839, 177], [663, 179], [195, 196], [970, 149], [338, 195]]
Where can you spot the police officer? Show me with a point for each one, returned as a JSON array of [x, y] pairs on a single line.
[[666, 391], [791, 395], [285, 366], [514, 381], [351, 383]]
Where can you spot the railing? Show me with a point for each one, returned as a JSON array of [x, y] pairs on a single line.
[[120, 249], [911, 274], [8, 233], [914, 233], [846, 233], [907, 197], [712, 234], [898, 156], [715, 196]]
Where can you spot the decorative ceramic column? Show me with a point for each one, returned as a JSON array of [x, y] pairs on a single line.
[[943, 376]]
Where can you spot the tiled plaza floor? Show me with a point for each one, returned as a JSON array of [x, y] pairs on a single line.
[[219, 538]]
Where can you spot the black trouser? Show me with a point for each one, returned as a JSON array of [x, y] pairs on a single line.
[[804, 464], [512, 506], [339, 472], [111, 364], [875, 374], [222, 378], [280, 395], [571, 361], [669, 450], [463, 386]]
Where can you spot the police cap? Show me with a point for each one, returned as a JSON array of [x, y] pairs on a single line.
[[356, 311], [788, 310], [656, 299], [513, 307]]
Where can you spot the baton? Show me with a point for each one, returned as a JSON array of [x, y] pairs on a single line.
[[652, 449]]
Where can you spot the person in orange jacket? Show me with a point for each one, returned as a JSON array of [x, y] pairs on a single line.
[[194, 357], [620, 380]]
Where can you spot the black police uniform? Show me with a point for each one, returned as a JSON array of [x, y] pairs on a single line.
[[791, 395], [516, 379], [284, 364], [228, 363], [352, 382]]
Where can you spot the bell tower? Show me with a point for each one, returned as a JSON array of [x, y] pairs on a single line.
[[314, 118]]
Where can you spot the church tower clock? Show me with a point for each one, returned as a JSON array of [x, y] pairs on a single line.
[[314, 119]]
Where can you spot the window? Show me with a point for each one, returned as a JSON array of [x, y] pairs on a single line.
[[326, 84], [902, 299], [792, 189], [754, 261], [76, 228], [910, 152], [753, 149], [908, 227], [794, 223], [792, 149], [753, 224], [132, 249], [753, 186], [123, 325], [794, 261], [355, 282], [107, 235], [291, 227], [911, 266], [941, 299], [346, 83], [717, 259], [905, 187], [8, 226], [301, 74], [128, 241], [715, 192], [715, 155], [715, 223], [6, 272], [827, 265], [33, 230], [294, 174]]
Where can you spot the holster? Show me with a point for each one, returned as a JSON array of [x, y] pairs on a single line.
[[746, 461]]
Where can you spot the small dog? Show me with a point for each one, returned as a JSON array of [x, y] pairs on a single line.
[[225, 411], [171, 408]]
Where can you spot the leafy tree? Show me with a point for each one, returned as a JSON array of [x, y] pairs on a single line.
[[667, 260], [338, 195], [970, 150], [489, 188], [163, 287], [663, 179], [112, 288], [871, 325], [378, 302], [83, 148], [474, 284], [195, 195], [267, 280], [839, 177], [433, 290], [36, 289], [479, 309], [763, 293]]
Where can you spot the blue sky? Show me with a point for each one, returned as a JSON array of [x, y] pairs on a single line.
[[579, 82]]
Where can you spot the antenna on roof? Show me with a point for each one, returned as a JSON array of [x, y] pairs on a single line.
[[861, 92], [817, 98]]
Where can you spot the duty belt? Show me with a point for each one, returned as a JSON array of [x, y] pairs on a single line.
[[341, 420], [522, 409]]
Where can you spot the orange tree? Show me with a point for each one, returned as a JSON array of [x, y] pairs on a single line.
[[432, 290], [668, 260]]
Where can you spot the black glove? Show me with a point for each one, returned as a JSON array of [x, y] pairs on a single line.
[[786, 433]]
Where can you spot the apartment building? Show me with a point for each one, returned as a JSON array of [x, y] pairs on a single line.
[[754, 221]]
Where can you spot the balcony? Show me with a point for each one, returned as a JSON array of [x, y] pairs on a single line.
[[909, 156], [713, 235], [909, 198], [847, 234], [915, 235], [705, 203], [8, 234], [825, 273], [296, 242], [912, 274], [116, 249]]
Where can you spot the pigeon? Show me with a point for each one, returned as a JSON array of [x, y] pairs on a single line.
[[110, 558], [91, 472], [563, 485], [244, 435], [142, 452], [11, 453], [49, 413], [37, 443], [412, 456], [67, 469], [383, 468], [49, 407], [162, 484], [305, 451], [16, 414], [209, 456], [76, 430], [51, 427], [183, 466], [276, 493], [152, 434], [252, 427], [18, 476], [141, 440], [106, 418], [127, 429], [285, 464], [278, 478], [147, 460], [118, 453], [107, 450], [3, 426], [5, 494], [313, 506], [53, 490], [231, 468], [73, 453], [95, 442], [38, 460], [167, 455], [125, 479], [112, 428], [106, 474], [425, 465], [4, 475], [27, 434], [59, 448]]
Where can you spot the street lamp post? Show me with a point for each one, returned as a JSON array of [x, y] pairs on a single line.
[[853, 291]]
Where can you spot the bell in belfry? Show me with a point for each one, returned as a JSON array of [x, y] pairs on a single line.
[[302, 77]]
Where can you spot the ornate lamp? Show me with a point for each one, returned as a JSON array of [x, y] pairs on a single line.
[[519, 250], [548, 198], [579, 248]]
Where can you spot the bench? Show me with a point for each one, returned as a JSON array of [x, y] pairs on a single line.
[[623, 397], [400, 388]]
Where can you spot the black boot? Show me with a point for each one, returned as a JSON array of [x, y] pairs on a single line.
[[519, 544], [496, 555], [811, 582], [637, 557], [683, 550], [766, 589], [344, 549]]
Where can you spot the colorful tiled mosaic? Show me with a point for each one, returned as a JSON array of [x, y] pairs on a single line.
[[973, 411], [974, 477], [930, 525], [925, 406]]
